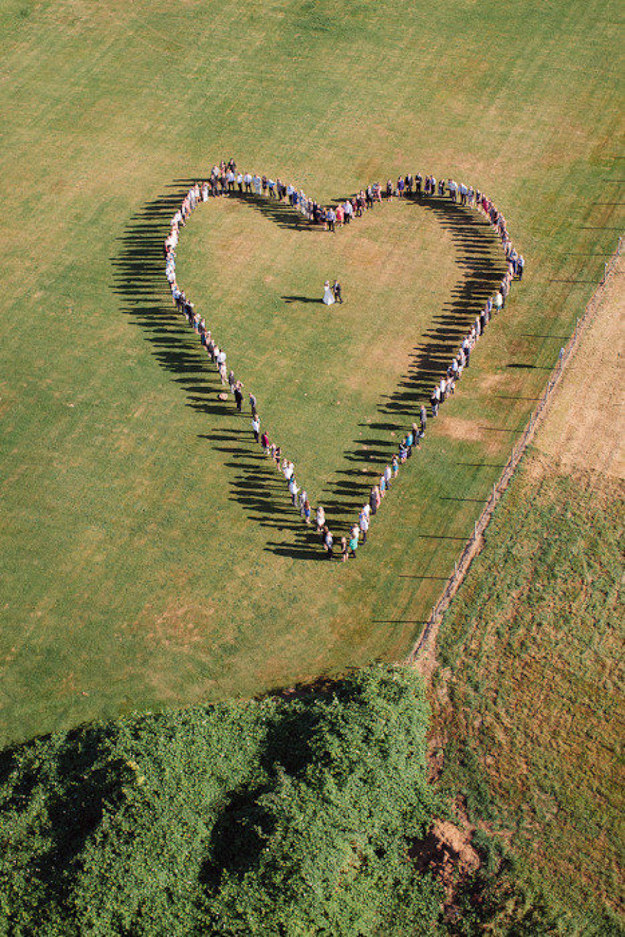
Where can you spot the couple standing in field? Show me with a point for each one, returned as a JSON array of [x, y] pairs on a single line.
[[332, 294]]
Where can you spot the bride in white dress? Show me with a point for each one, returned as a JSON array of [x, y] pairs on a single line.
[[328, 295]]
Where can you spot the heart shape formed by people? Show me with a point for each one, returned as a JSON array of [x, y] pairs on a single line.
[[463, 211]]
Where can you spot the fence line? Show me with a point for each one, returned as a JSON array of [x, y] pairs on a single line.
[[475, 542]]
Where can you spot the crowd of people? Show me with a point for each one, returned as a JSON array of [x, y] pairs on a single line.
[[225, 179]]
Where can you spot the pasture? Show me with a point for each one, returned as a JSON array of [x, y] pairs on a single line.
[[147, 557], [531, 708]]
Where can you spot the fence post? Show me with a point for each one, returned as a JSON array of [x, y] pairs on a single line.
[[518, 449]]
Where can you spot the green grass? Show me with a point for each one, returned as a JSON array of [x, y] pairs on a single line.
[[531, 657], [132, 574]]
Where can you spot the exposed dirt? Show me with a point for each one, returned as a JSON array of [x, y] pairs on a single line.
[[446, 852]]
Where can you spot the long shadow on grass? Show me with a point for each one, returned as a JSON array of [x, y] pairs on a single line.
[[480, 260], [139, 281], [254, 481]]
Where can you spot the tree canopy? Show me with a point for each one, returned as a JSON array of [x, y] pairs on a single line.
[[275, 817]]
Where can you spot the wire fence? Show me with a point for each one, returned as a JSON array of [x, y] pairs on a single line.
[[475, 542]]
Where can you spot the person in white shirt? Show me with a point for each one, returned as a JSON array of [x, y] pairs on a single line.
[[293, 489]]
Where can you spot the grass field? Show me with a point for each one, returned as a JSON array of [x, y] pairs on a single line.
[[531, 694], [138, 570]]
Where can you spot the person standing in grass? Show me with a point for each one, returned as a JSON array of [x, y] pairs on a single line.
[[374, 499], [256, 427], [328, 542], [336, 290], [363, 523], [238, 395], [303, 497], [293, 489], [307, 511], [353, 546], [320, 517], [424, 417], [264, 441], [344, 553], [466, 350], [253, 404]]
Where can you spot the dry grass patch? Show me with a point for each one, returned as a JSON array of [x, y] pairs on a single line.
[[533, 651], [586, 427]]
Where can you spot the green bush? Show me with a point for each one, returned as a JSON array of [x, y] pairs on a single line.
[[285, 817]]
